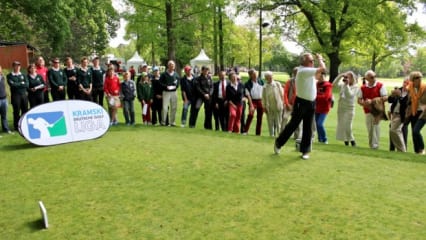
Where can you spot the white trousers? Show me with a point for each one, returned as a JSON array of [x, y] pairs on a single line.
[[373, 130]]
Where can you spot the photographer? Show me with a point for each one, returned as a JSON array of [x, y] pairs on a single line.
[[348, 88], [397, 128]]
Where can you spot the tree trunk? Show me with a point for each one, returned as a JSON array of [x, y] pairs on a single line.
[[215, 33], [221, 53], [373, 61], [171, 41], [334, 65], [152, 54]]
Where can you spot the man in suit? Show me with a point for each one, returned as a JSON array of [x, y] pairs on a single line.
[[220, 105]]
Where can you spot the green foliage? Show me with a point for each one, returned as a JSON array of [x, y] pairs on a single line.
[[194, 28], [378, 29], [419, 62], [59, 27]]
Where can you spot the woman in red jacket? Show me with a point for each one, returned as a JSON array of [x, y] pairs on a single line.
[[323, 105], [112, 93]]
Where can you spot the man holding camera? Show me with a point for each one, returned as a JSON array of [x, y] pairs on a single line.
[[372, 94]]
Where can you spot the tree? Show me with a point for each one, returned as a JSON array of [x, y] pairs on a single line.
[[418, 62], [59, 27], [173, 22], [336, 24]]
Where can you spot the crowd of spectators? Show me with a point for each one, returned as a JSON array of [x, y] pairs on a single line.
[[297, 108]]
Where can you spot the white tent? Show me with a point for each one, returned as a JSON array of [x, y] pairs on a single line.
[[201, 60], [135, 61]]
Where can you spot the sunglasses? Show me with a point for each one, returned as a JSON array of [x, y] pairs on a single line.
[[415, 78]]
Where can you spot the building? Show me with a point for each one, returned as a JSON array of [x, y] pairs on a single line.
[[16, 51]]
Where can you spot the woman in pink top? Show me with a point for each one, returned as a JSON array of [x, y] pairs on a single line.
[[112, 92]]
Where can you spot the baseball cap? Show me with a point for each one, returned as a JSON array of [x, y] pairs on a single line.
[[187, 68], [155, 68], [16, 63]]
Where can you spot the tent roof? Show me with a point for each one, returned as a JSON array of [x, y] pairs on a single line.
[[202, 57], [136, 58]]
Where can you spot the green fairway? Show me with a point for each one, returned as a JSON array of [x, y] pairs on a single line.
[[146, 182]]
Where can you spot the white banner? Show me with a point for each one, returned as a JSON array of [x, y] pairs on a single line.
[[63, 122]]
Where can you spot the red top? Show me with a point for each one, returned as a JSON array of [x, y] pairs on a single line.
[[289, 90], [132, 72], [324, 97], [112, 85], [42, 71], [370, 93]]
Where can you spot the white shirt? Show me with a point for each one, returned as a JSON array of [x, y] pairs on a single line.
[[306, 84], [16, 73], [256, 91], [383, 91], [235, 86]]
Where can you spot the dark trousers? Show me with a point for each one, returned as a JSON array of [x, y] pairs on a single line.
[[72, 91], [35, 98], [208, 115], [83, 96], [193, 114], [207, 111], [221, 115], [303, 110], [20, 106], [157, 108], [57, 95], [98, 95], [46, 96], [416, 126], [243, 116]]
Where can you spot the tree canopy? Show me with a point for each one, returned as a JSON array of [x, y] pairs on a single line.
[[59, 27], [376, 31], [376, 28]]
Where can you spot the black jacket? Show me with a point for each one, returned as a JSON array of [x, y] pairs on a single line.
[[216, 87], [187, 86], [235, 95], [402, 104], [203, 85]]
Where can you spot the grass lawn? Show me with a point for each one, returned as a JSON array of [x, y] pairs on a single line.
[[147, 182]]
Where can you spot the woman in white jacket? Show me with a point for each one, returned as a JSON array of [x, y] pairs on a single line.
[[347, 83], [272, 99]]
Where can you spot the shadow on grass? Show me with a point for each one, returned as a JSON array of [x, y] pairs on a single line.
[[273, 162], [370, 153], [20, 146], [36, 225]]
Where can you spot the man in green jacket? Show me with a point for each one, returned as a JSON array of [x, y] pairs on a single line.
[[169, 80], [57, 80], [18, 84]]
